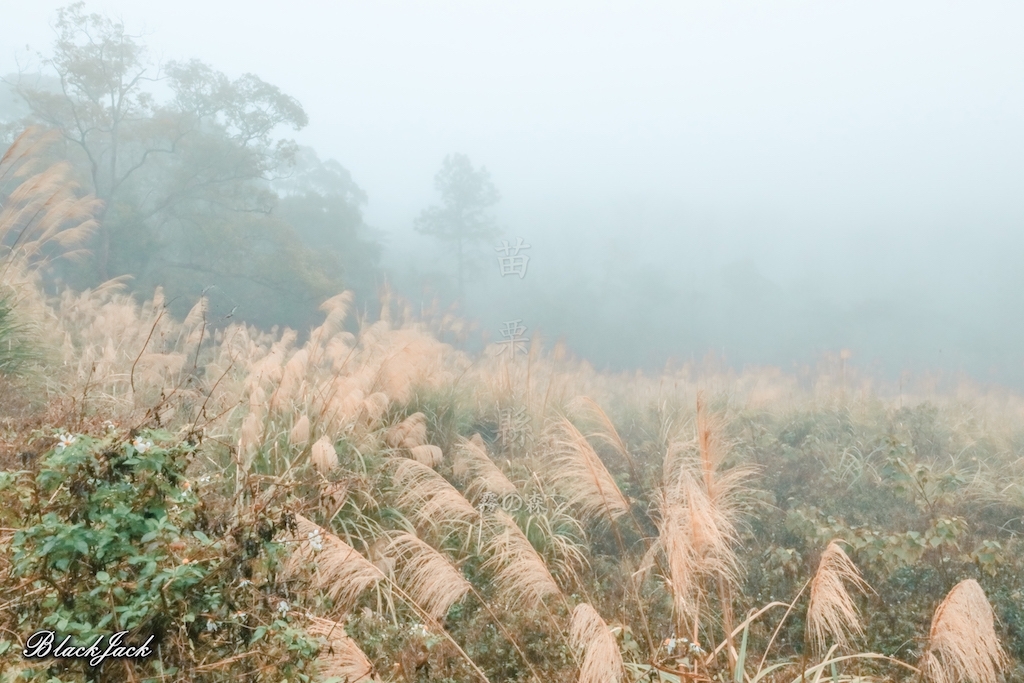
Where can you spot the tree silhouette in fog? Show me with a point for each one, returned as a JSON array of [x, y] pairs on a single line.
[[462, 221]]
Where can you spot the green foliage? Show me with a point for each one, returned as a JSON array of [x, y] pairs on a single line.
[[188, 181], [902, 489], [15, 351], [319, 199], [115, 538]]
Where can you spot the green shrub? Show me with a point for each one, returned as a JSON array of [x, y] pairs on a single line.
[[14, 351], [114, 538]]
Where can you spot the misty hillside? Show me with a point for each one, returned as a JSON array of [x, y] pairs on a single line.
[[511, 342], [861, 200]]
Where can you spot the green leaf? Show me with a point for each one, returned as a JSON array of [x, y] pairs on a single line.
[[764, 672], [742, 657]]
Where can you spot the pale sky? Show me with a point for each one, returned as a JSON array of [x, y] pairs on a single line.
[[769, 104]]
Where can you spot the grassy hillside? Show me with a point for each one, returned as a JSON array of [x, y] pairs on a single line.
[[365, 502]]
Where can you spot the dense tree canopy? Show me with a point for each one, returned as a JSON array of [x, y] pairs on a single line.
[[199, 193]]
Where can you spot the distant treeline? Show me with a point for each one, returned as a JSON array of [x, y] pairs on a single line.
[[202, 196]]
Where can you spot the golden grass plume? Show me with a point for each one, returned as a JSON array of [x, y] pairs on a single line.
[[427, 497], [697, 537], [299, 434], [39, 206], [586, 407], [323, 455], [831, 613], [341, 656], [427, 454], [339, 569], [426, 575], [602, 661], [674, 543], [475, 468], [962, 642], [519, 571], [409, 433], [579, 474]]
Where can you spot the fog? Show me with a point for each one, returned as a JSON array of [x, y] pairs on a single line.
[[768, 182]]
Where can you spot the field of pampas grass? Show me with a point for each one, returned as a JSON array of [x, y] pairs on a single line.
[[346, 503]]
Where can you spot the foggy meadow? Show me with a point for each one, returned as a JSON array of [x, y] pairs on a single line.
[[454, 342]]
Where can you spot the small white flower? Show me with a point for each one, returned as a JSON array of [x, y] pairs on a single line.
[[66, 440], [109, 426], [212, 626], [142, 445], [244, 582], [282, 607], [316, 540]]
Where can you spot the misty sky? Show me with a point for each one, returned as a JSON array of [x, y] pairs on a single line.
[[865, 148]]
